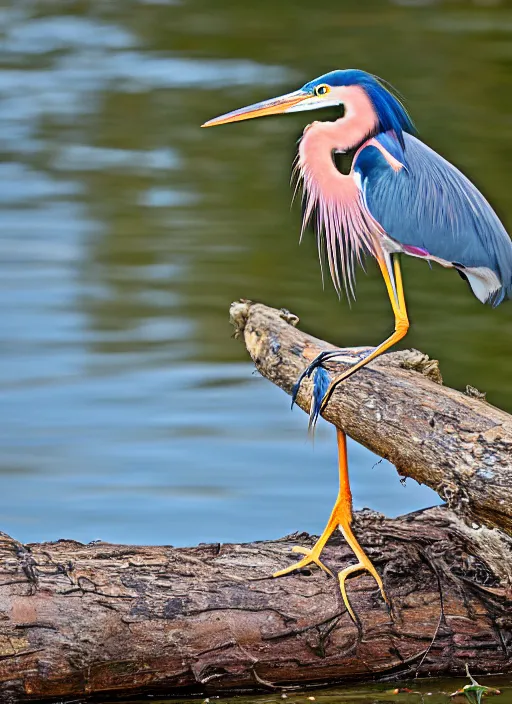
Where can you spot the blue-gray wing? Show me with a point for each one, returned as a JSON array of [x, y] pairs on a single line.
[[430, 209]]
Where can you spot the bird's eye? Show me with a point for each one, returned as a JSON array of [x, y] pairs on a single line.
[[322, 89]]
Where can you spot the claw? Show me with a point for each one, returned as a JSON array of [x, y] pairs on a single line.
[[308, 371], [337, 380], [310, 555], [320, 386], [296, 387], [364, 565]]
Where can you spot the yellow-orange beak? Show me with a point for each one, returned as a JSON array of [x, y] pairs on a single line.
[[291, 102]]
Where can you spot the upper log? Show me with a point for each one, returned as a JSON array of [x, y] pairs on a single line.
[[455, 443]]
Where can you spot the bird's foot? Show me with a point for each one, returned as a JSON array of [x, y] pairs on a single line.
[[321, 383], [318, 361], [311, 555], [355, 365], [339, 355], [364, 564], [320, 386]]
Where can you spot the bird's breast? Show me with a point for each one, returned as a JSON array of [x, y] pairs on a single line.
[[341, 219]]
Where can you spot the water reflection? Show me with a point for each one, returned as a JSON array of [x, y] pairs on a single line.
[[128, 412], [415, 692]]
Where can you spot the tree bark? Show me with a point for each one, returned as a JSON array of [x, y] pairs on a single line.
[[89, 621], [95, 620]]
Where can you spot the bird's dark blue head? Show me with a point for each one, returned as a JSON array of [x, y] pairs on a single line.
[[366, 99]]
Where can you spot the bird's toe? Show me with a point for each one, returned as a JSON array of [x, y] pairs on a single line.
[[308, 371]]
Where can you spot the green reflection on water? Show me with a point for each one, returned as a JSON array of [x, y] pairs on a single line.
[[453, 66], [422, 691]]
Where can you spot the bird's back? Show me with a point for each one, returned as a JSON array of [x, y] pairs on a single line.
[[430, 209]]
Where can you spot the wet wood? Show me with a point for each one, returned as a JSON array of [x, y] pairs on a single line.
[[84, 622]]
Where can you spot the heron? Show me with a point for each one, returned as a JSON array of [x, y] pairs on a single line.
[[400, 197]]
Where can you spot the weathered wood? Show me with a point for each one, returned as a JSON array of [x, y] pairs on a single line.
[[98, 619], [80, 621]]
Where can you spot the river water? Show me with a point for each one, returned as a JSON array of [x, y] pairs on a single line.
[[412, 692], [128, 412]]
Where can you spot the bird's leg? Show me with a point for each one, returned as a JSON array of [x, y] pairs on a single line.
[[342, 509], [345, 521], [341, 517], [393, 278]]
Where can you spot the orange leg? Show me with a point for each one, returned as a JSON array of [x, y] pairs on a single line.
[[345, 528], [394, 286], [341, 517], [342, 508]]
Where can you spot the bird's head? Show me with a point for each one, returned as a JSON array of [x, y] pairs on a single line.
[[361, 97]]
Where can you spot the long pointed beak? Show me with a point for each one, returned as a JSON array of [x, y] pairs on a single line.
[[284, 103]]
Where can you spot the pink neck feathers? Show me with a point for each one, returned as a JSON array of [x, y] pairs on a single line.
[[341, 216]]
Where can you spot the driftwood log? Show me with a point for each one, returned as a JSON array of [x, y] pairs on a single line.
[[92, 621]]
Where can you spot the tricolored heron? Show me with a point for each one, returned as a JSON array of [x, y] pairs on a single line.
[[400, 197]]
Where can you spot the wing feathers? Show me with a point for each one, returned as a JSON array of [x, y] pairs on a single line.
[[431, 207]]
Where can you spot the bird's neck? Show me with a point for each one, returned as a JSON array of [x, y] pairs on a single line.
[[341, 219], [322, 139], [316, 164]]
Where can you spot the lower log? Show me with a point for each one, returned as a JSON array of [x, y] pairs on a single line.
[[81, 621]]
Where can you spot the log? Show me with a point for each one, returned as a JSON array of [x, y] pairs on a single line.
[[99, 619], [92, 621]]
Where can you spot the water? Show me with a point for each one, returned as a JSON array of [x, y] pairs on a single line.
[[128, 412], [414, 692]]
